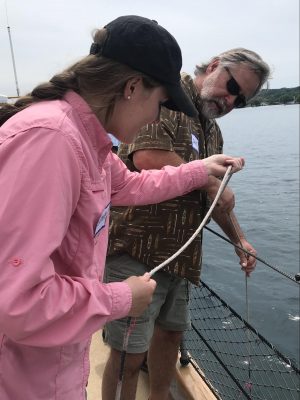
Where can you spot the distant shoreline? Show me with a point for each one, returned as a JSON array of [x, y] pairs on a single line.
[[272, 97], [266, 97]]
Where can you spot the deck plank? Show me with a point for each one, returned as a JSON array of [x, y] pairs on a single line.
[[191, 384], [187, 384], [98, 356]]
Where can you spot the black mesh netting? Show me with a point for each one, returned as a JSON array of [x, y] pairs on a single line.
[[234, 358]]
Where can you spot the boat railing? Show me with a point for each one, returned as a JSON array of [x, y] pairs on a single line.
[[231, 356]]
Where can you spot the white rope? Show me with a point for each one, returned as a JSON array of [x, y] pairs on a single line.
[[249, 383], [224, 182]]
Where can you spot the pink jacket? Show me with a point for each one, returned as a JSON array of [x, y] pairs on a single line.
[[58, 178]]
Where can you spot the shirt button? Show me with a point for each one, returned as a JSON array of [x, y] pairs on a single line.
[[16, 262]]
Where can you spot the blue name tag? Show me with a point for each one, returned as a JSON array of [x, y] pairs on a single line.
[[195, 142], [102, 220]]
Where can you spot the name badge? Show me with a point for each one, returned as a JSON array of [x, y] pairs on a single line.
[[195, 142], [102, 220]]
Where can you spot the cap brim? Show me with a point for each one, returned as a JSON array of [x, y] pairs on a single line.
[[180, 101]]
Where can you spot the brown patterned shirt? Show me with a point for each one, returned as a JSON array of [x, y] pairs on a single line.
[[151, 234]]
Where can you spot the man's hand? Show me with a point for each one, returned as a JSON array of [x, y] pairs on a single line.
[[226, 201], [142, 288], [247, 262]]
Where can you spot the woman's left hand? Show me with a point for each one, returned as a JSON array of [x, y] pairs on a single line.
[[217, 164]]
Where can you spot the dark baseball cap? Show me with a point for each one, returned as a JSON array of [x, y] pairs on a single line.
[[145, 46]]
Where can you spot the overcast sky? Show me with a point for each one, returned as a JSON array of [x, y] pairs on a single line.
[[49, 35]]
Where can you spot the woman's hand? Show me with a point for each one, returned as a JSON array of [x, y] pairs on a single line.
[[217, 164], [142, 288]]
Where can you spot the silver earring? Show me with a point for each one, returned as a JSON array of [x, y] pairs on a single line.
[[128, 97]]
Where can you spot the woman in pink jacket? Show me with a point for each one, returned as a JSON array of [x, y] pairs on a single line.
[[58, 178]]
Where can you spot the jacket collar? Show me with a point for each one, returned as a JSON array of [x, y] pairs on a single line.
[[98, 136]]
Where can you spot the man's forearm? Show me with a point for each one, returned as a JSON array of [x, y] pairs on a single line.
[[234, 233], [156, 159]]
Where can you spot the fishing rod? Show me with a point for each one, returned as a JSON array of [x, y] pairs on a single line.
[[131, 322], [296, 279]]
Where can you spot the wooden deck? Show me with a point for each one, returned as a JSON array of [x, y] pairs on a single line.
[[187, 385], [98, 356], [191, 384]]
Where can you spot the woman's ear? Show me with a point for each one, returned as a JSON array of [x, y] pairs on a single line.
[[131, 87]]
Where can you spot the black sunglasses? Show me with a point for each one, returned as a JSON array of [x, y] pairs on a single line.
[[234, 88]]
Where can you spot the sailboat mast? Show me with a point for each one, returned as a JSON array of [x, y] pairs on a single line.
[[12, 54], [13, 61]]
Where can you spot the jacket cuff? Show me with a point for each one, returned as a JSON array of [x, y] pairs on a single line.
[[121, 300]]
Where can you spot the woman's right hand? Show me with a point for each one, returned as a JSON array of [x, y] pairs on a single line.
[[142, 288], [217, 164]]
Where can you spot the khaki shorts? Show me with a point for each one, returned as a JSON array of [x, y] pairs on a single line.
[[169, 307]]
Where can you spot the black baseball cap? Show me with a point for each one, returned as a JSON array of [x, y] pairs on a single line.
[[145, 46]]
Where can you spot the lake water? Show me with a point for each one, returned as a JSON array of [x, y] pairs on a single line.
[[267, 207]]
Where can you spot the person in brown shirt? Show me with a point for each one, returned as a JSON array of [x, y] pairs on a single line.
[[143, 237]]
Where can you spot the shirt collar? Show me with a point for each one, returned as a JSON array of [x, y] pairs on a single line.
[[93, 128], [191, 89]]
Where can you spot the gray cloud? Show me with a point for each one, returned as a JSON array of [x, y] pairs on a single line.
[[49, 35]]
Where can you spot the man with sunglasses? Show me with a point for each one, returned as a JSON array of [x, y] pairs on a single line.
[[143, 237]]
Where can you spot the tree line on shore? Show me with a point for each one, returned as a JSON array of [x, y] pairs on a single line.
[[268, 97]]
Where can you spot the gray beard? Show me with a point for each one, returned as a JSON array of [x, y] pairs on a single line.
[[211, 113]]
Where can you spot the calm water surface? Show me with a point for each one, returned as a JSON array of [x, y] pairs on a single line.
[[267, 206]]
